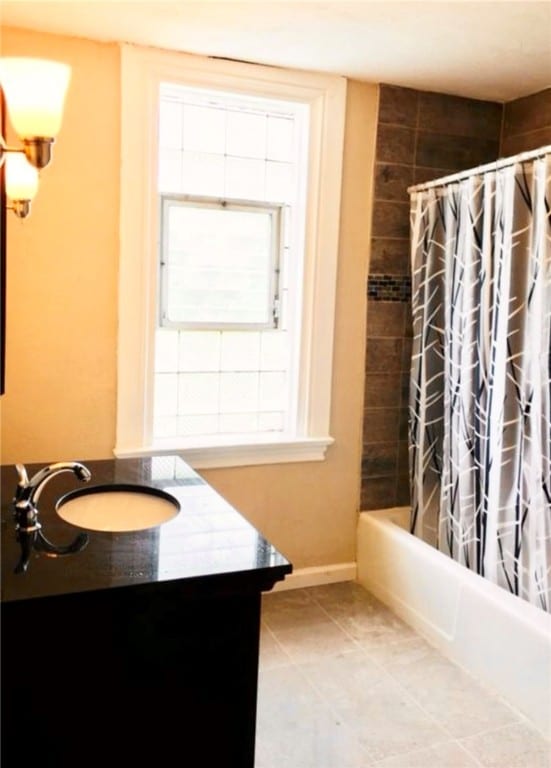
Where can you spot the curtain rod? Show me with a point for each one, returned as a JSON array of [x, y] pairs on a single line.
[[442, 182]]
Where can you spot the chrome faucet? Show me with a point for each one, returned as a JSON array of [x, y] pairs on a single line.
[[28, 491], [25, 511]]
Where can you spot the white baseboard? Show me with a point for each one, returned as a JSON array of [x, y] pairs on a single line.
[[316, 576]]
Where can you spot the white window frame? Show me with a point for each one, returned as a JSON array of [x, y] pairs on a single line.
[[142, 71]]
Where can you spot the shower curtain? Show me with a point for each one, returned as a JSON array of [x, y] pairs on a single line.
[[480, 393]]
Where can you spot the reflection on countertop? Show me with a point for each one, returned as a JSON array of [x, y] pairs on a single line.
[[209, 543]]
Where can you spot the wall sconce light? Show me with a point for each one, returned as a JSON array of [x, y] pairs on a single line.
[[21, 183], [34, 91]]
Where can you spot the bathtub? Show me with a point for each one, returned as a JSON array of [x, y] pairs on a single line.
[[500, 639]]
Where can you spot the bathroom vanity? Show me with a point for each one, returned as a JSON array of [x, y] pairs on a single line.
[[141, 649]]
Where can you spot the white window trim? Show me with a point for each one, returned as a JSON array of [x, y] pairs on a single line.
[[142, 70]]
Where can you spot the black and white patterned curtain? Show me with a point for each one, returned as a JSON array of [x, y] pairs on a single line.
[[480, 429]]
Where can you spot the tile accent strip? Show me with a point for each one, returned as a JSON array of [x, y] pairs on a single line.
[[389, 288]]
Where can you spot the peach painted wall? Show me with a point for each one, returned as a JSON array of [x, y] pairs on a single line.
[[62, 270], [62, 314]]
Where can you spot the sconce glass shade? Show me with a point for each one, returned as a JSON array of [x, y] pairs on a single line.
[[35, 94], [21, 177]]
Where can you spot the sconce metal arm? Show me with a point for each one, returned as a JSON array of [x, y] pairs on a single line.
[[4, 149], [37, 150]]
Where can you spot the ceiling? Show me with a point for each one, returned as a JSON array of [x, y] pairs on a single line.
[[485, 50]]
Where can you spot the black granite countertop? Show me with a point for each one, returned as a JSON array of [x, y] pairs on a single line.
[[209, 545]]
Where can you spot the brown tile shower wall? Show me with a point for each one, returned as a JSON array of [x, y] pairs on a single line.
[[526, 123], [421, 136]]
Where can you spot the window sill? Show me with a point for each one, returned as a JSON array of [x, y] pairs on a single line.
[[235, 452]]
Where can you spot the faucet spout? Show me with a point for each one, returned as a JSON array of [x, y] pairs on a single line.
[[28, 491]]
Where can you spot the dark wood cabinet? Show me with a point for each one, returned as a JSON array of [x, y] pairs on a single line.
[[141, 649], [130, 677]]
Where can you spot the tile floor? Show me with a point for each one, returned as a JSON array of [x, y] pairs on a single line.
[[344, 683]]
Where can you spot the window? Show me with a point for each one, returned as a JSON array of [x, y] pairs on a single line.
[[230, 190], [219, 265], [226, 336]]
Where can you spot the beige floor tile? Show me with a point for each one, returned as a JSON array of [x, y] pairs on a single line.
[[295, 729], [388, 653], [346, 680], [515, 746], [378, 626], [291, 609], [343, 596], [346, 684], [359, 613], [286, 598], [450, 695], [447, 755], [271, 653], [309, 642], [391, 724], [387, 722]]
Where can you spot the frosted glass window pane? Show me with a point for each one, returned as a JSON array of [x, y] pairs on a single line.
[[199, 350], [280, 138], [204, 129], [170, 125], [238, 392], [240, 351], [200, 424], [165, 426], [271, 421], [198, 393], [166, 351], [217, 266], [166, 394], [274, 351], [170, 170], [245, 178], [238, 422], [272, 391], [202, 174], [246, 134], [279, 182]]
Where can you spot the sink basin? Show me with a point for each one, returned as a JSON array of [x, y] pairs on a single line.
[[117, 507]]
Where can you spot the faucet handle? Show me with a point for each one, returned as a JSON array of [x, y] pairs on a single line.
[[22, 488], [22, 475]]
